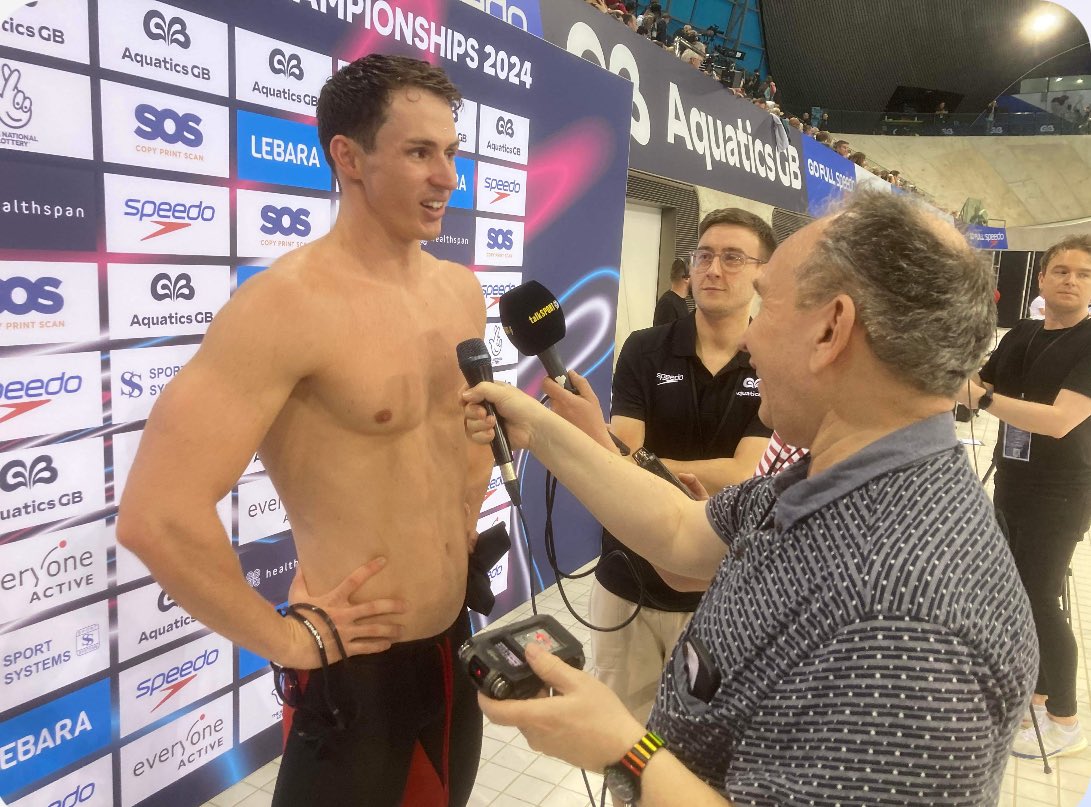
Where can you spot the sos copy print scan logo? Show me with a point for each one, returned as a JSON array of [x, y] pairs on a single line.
[[49, 483], [50, 655], [166, 218], [155, 130], [55, 28], [53, 568], [277, 74], [164, 300], [42, 303], [270, 224], [164, 43], [498, 242], [139, 375], [50, 394], [44, 111]]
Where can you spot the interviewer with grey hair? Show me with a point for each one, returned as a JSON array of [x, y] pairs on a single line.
[[865, 639]]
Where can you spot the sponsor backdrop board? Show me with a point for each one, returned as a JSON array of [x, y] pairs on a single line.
[[153, 157]]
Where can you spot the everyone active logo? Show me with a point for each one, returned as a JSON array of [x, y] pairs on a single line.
[[172, 31]]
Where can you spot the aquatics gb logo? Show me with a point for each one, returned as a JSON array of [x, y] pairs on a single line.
[[179, 287], [172, 31], [18, 474], [289, 65]]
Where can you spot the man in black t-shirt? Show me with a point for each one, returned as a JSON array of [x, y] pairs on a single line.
[[672, 305], [688, 394], [1038, 383]]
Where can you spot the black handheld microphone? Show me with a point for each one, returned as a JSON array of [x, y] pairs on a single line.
[[476, 366], [534, 322]]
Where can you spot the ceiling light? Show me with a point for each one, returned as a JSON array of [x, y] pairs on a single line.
[[1042, 22]]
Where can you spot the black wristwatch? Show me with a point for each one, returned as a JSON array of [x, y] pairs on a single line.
[[985, 401], [623, 777]]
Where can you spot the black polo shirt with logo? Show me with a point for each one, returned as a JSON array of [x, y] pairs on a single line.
[[688, 414]]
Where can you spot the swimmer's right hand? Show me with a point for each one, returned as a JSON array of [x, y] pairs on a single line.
[[364, 627]]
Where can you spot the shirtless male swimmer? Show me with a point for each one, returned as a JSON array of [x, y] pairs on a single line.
[[338, 365]]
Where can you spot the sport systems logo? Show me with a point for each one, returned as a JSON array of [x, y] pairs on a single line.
[[162, 217], [138, 376], [164, 43]]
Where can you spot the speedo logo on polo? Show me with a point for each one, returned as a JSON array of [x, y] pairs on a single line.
[[175, 679], [667, 378], [278, 74], [166, 218], [281, 152]]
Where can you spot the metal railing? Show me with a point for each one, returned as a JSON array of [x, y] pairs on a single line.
[[844, 121]]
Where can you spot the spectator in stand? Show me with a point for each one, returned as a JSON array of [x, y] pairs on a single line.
[[770, 90], [629, 20], [824, 123], [687, 40], [806, 119], [941, 112], [823, 138], [795, 123], [843, 148], [672, 305], [599, 4], [990, 115], [655, 23], [860, 159]]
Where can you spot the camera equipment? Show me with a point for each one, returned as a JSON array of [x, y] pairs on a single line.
[[496, 660]]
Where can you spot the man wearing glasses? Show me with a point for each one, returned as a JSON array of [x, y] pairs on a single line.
[[688, 394]]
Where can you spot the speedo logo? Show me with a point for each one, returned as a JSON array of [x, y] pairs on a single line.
[[667, 378], [170, 682], [168, 216], [503, 188], [24, 395]]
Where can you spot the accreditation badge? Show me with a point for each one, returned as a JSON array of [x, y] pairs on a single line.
[[1016, 444]]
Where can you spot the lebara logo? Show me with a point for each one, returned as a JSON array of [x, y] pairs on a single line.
[[16, 107], [172, 31], [167, 125], [177, 287], [280, 151], [285, 221], [18, 474], [53, 736], [289, 65]]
